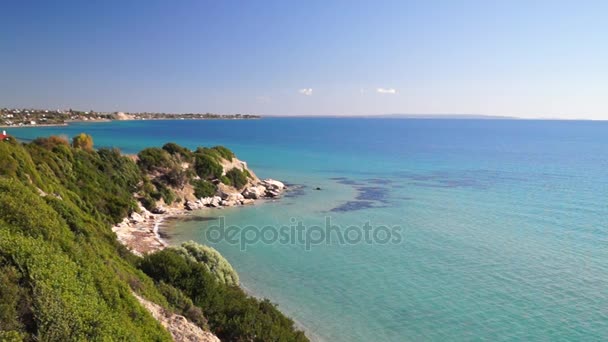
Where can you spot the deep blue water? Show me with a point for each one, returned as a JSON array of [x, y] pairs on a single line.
[[503, 222]]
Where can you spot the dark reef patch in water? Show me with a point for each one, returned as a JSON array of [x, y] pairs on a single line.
[[196, 218], [381, 181], [346, 181], [354, 205], [370, 194], [478, 179], [294, 190]]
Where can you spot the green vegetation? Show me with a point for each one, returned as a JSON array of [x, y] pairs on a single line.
[[174, 149], [83, 141], [63, 275], [237, 178], [203, 188], [231, 314], [211, 259], [206, 166]]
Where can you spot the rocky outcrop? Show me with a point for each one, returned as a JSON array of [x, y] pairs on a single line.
[[228, 196], [273, 187], [254, 192], [178, 326]]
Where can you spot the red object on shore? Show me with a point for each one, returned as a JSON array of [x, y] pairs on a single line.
[[3, 136]]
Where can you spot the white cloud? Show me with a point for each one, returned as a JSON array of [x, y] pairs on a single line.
[[386, 91], [305, 91]]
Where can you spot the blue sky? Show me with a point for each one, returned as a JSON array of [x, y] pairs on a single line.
[[515, 58]]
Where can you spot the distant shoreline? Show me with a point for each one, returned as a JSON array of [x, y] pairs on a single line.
[[67, 123]]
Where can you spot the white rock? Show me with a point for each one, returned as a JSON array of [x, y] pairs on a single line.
[[227, 203], [273, 184], [206, 200], [137, 218], [215, 202], [254, 192]]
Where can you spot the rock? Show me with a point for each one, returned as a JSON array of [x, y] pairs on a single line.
[[254, 192], [317, 188], [272, 193], [228, 203], [247, 201], [159, 210], [206, 201], [189, 205], [273, 184], [215, 202], [144, 212], [136, 218], [178, 326], [231, 196]]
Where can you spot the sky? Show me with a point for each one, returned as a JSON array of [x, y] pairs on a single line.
[[532, 59]]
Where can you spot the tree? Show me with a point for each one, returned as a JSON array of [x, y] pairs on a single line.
[[83, 141]]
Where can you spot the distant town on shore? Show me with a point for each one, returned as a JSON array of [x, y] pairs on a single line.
[[20, 117]]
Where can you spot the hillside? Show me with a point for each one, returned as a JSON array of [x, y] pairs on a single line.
[[64, 276]]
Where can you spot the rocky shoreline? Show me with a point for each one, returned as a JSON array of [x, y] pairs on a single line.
[[140, 231]]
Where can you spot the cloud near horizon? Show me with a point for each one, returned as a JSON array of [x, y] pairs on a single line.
[[305, 91], [386, 90]]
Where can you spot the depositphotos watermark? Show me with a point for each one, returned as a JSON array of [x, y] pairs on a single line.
[[297, 233]]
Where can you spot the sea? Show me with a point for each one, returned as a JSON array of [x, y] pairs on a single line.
[[408, 229]]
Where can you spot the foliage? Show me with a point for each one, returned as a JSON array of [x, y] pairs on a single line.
[[63, 275], [153, 159], [212, 260], [174, 149], [223, 152], [203, 188], [206, 166], [51, 142], [83, 141], [232, 315], [237, 177], [183, 305]]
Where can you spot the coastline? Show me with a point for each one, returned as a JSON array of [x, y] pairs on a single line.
[[68, 122]]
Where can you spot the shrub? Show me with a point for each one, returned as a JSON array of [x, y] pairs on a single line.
[[207, 167], [237, 178], [83, 141], [212, 260], [153, 159], [225, 180], [232, 315], [174, 149], [51, 142], [223, 152], [203, 188]]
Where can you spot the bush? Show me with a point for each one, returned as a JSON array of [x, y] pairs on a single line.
[[176, 150], [51, 142], [153, 159], [223, 152], [232, 315], [237, 178], [212, 260], [207, 167], [83, 141], [203, 188]]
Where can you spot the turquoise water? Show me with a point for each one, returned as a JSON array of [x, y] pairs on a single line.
[[503, 223]]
